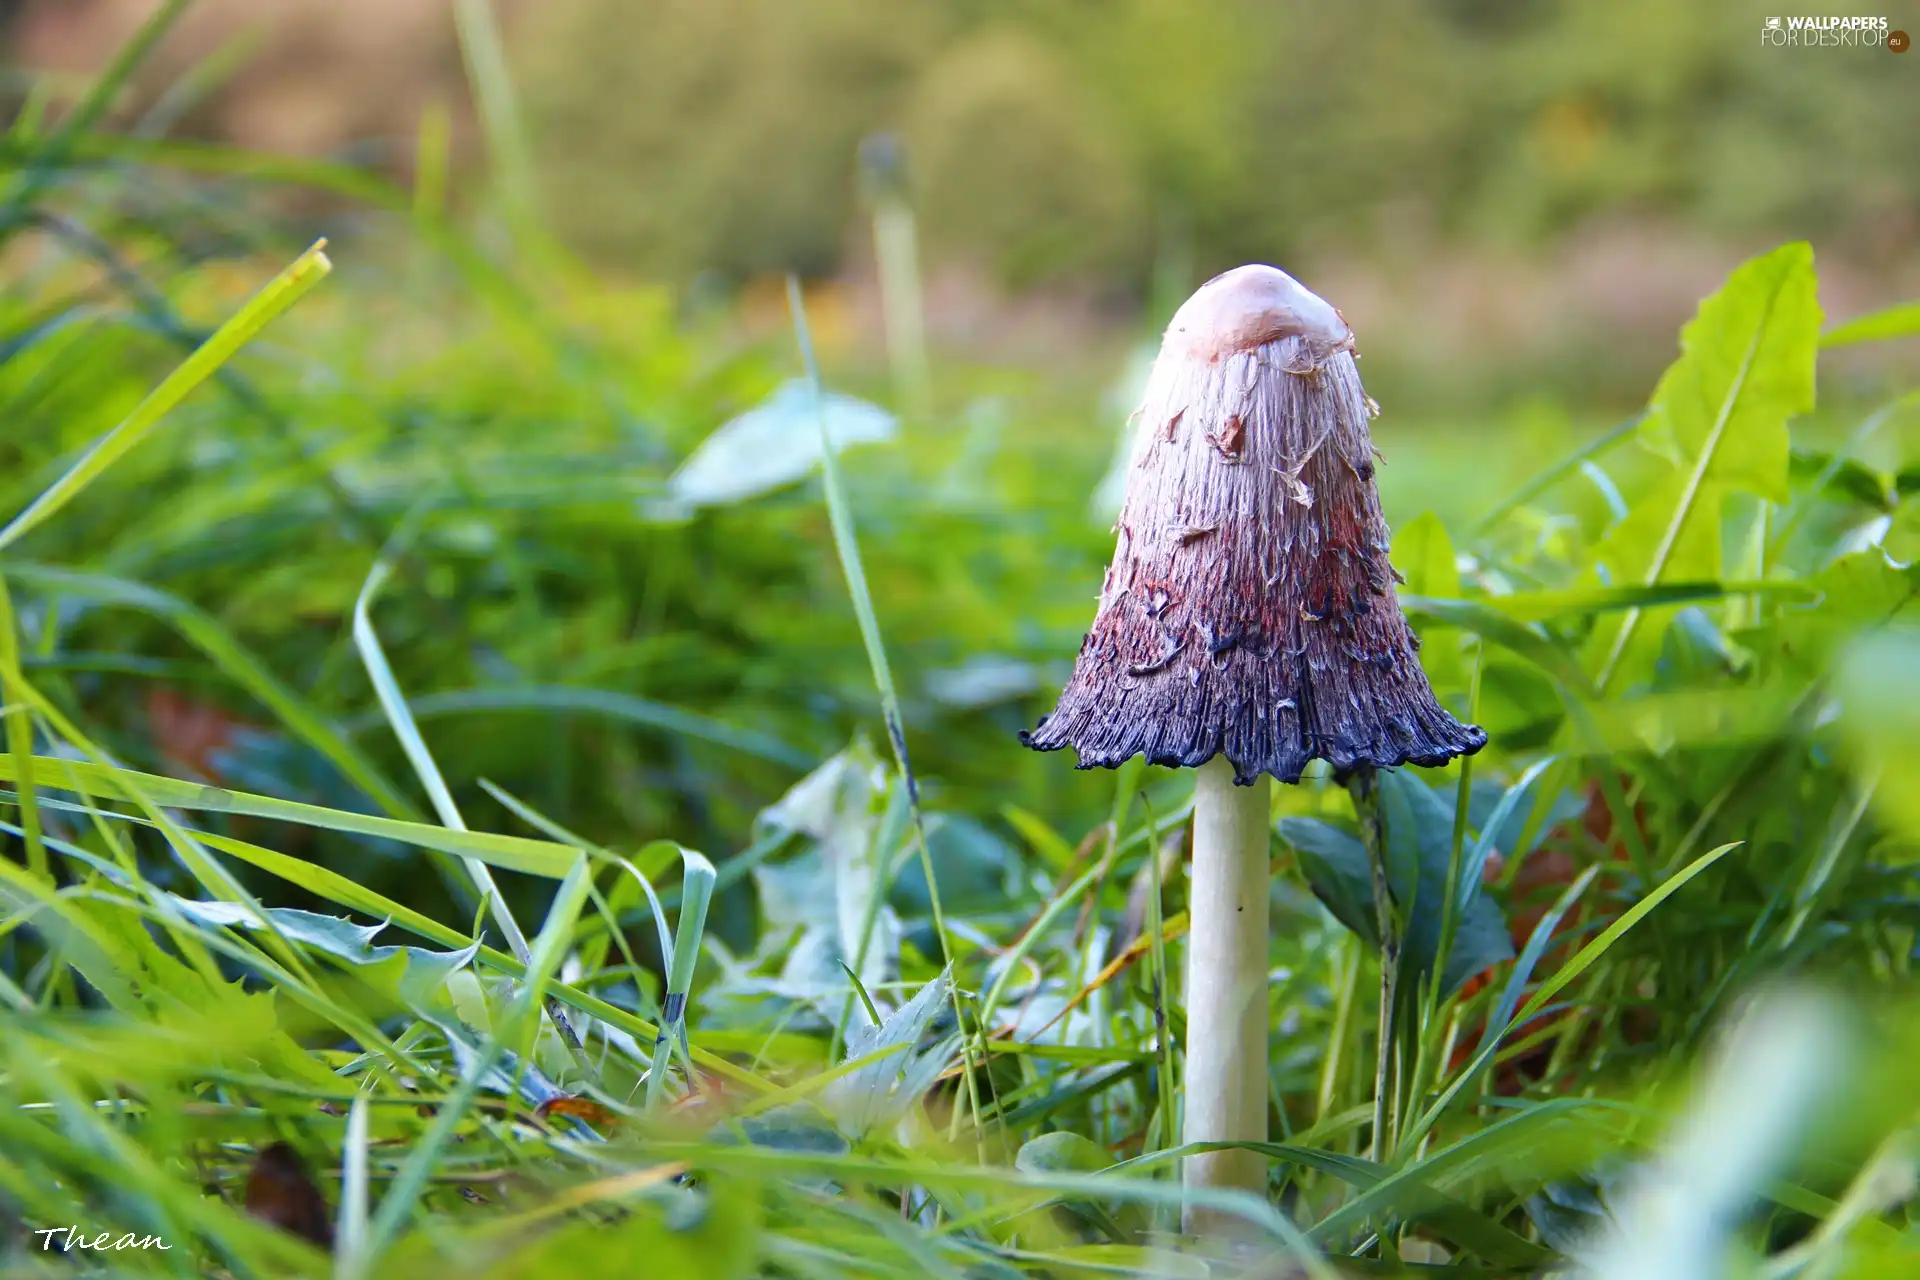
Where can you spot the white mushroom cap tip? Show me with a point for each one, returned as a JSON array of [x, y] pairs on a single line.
[[1249, 306]]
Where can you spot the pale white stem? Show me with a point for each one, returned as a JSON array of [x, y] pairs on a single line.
[[1225, 1090]]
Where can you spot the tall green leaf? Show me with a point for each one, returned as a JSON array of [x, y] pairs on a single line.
[[1720, 413], [1746, 366]]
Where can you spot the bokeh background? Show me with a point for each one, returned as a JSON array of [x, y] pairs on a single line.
[[1511, 200], [1516, 205]]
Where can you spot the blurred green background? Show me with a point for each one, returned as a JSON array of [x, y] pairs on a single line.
[[1508, 199]]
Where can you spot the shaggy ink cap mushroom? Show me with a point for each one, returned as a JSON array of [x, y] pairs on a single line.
[[1250, 609]]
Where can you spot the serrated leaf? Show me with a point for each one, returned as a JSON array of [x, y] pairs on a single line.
[[413, 974], [833, 891], [878, 1094], [1746, 367]]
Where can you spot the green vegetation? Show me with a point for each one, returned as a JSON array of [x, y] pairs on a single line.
[[366, 706], [1060, 138]]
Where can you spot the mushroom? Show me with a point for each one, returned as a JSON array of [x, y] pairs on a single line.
[[1249, 624]]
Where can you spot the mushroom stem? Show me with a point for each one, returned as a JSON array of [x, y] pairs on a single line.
[[1364, 786], [1226, 1080]]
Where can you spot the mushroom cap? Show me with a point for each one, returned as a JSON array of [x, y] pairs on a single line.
[[1250, 607], [1248, 307]]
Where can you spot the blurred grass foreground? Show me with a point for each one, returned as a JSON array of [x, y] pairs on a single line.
[[511, 767]]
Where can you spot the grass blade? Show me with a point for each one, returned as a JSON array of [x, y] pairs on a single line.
[[20, 737], [261, 310], [697, 876], [1587, 955], [110, 782], [1502, 1020], [234, 661], [394, 703], [350, 1233], [847, 546]]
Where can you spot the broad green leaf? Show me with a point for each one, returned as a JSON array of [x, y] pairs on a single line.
[[1423, 555], [1720, 414], [1334, 863], [1746, 367], [1419, 832], [1628, 554], [1673, 532]]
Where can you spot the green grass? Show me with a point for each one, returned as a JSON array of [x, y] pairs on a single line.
[[411, 549]]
